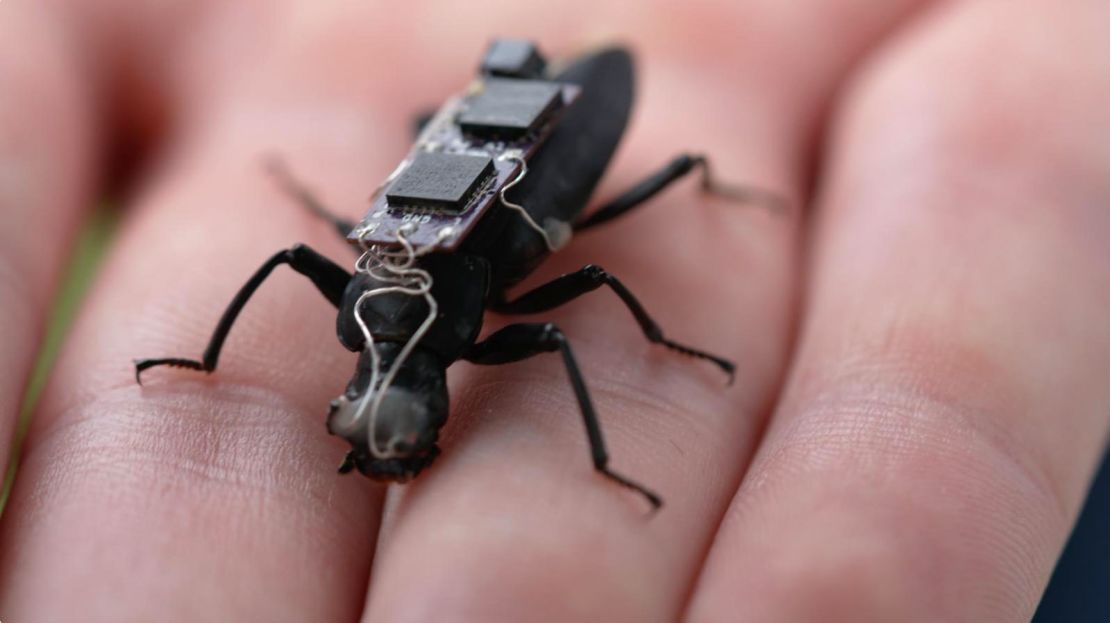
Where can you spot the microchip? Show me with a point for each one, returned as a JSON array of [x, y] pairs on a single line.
[[509, 108], [515, 58], [441, 181]]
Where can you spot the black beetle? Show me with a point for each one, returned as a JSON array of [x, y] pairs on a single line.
[[442, 243]]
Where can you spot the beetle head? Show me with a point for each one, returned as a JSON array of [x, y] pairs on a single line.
[[399, 439]]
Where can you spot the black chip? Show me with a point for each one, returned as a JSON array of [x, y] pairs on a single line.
[[515, 58], [508, 108], [443, 181]]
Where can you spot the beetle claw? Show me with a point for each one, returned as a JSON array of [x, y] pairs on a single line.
[[348, 464]]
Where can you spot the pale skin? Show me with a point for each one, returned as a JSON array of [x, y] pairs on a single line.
[[922, 343]]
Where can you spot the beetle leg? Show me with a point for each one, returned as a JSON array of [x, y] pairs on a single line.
[[348, 465], [300, 193], [328, 277], [521, 341], [570, 286], [675, 170], [420, 121]]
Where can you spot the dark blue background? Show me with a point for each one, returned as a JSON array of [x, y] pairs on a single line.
[[1080, 588]]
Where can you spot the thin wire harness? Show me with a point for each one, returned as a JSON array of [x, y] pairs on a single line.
[[398, 271]]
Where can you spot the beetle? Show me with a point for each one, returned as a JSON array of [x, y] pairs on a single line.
[[497, 180]]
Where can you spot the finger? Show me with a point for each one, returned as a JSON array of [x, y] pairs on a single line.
[[45, 162], [514, 515], [209, 498], [949, 397]]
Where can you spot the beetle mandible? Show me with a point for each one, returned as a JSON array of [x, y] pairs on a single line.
[[496, 181]]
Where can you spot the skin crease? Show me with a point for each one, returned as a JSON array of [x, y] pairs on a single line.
[[921, 395]]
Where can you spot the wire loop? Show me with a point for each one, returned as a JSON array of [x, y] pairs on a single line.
[[396, 269]]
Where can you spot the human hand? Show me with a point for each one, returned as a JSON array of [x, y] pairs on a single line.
[[921, 394]]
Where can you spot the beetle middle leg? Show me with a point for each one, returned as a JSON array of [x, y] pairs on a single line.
[[675, 170], [570, 286], [521, 341], [329, 278]]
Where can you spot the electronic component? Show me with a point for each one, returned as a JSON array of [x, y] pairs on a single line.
[[508, 108], [514, 58], [441, 181], [434, 196]]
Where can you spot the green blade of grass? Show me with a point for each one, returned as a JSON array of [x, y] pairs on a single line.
[[92, 242]]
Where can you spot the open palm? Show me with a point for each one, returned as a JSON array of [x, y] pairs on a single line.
[[922, 348]]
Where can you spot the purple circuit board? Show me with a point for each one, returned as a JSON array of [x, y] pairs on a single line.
[[468, 152]]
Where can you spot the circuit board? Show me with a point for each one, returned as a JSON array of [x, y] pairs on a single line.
[[468, 152]]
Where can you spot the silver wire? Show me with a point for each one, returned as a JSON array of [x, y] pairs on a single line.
[[395, 268], [557, 236]]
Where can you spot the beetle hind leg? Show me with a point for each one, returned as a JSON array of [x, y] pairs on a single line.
[[753, 195], [420, 120], [675, 170]]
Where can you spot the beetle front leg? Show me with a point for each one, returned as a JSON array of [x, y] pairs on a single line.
[[329, 278], [521, 341], [675, 170], [587, 279]]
